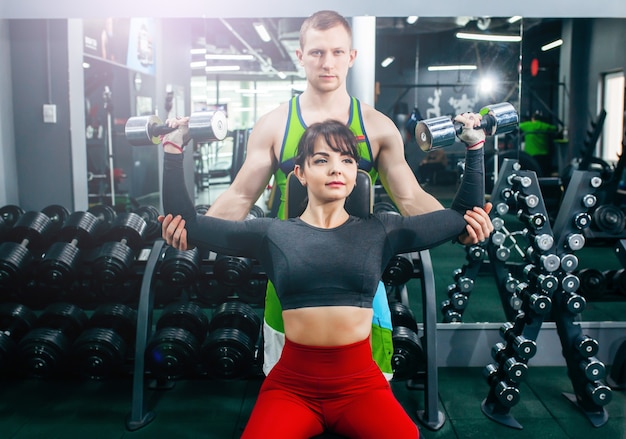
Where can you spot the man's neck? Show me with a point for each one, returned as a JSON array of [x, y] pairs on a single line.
[[317, 106]]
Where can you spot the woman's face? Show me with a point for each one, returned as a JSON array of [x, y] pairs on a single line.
[[328, 175]]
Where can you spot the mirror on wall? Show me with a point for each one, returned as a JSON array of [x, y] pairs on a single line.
[[424, 67]]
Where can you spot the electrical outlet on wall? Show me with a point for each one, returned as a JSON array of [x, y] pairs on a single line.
[[49, 113]]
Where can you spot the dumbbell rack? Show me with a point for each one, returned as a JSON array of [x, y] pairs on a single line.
[[617, 377], [542, 285]]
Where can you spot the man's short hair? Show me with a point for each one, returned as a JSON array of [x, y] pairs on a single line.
[[323, 20]]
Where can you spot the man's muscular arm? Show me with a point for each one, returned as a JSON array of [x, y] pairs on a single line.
[[252, 179], [395, 173]]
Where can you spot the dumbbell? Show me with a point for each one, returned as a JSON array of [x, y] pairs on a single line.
[[173, 350], [570, 283], [43, 351], [205, 126], [523, 347], [116, 256], [599, 393], [514, 369], [586, 346], [104, 213], [408, 355], [609, 218], [399, 270], [235, 271], [543, 242], [457, 298], [57, 214], [464, 283], [30, 231], [507, 394], [475, 253], [592, 283], [60, 264], [439, 132], [150, 215], [517, 181], [501, 209], [529, 200], [574, 303], [180, 267], [569, 262], [575, 241], [103, 347], [15, 321], [539, 303], [535, 220], [10, 214], [510, 285], [548, 262], [450, 313], [582, 220], [230, 349], [592, 368], [547, 282]]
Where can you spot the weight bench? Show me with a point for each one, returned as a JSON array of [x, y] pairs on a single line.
[[360, 203]]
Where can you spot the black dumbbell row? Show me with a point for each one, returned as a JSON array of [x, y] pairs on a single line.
[[64, 341]]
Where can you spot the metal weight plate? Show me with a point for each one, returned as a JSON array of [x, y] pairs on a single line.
[[138, 130], [506, 117], [437, 132], [208, 125], [10, 214]]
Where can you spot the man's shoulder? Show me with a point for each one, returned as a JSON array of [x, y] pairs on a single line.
[[376, 122], [274, 118]]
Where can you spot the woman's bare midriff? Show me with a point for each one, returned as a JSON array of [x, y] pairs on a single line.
[[327, 325]]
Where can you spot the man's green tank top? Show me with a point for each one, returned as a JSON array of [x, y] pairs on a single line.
[[293, 132]]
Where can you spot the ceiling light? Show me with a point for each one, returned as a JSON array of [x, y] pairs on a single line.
[[197, 51], [489, 37], [487, 85], [452, 67], [262, 31], [514, 19], [387, 61], [229, 57], [222, 68], [86, 65], [282, 75], [411, 19], [197, 64], [552, 45]]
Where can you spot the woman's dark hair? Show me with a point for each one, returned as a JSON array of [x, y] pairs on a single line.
[[336, 134]]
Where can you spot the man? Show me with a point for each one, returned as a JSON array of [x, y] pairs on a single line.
[[538, 136], [326, 54]]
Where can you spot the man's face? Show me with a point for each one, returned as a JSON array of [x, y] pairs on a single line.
[[326, 57]]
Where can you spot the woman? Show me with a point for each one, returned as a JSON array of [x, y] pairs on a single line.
[[326, 379]]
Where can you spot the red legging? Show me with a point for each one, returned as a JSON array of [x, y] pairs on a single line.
[[339, 389]]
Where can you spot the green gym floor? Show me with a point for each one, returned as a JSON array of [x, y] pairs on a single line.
[[67, 408], [219, 409]]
